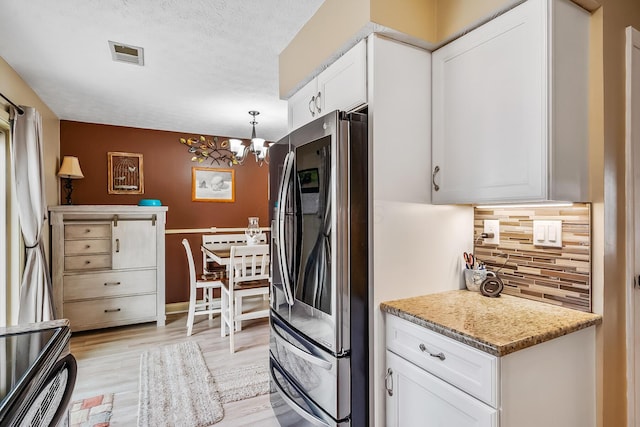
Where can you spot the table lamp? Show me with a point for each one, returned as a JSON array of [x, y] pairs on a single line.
[[70, 169]]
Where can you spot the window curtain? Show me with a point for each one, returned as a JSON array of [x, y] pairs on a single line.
[[27, 157]]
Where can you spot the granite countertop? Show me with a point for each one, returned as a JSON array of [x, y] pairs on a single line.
[[497, 326], [33, 326]]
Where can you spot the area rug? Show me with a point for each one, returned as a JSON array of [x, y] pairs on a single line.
[[91, 412], [177, 389], [241, 383]]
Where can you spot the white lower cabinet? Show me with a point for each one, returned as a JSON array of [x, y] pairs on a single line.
[[417, 398], [435, 381], [108, 264]]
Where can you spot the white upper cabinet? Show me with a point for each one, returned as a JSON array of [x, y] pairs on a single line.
[[342, 86], [510, 105], [302, 105]]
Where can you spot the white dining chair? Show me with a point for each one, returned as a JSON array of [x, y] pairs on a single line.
[[218, 241], [249, 277], [208, 304]]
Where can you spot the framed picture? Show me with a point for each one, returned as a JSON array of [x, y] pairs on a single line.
[[213, 185], [309, 182], [310, 189], [126, 173]]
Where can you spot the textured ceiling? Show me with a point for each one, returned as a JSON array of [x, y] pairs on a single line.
[[207, 62]]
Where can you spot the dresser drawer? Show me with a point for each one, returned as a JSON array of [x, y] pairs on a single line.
[[87, 262], [87, 231], [108, 284], [89, 246], [106, 312], [467, 368]]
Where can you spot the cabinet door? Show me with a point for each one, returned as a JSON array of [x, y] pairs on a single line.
[[302, 105], [134, 244], [420, 399], [343, 85], [490, 111]]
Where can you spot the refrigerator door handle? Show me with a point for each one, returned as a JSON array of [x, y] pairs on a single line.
[[293, 405], [301, 353], [282, 250]]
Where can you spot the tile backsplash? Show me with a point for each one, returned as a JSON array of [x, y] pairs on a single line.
[[560, 276]]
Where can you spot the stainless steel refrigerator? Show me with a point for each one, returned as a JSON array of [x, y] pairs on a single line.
[[320, 218]]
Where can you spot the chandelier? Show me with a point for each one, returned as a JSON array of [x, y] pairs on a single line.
[[228, 152], [257, 146]]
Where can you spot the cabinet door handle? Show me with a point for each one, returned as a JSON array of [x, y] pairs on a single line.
[[312, 106], [436, 187], [440, 355], [112, 310], [117, 245], [318, 103], [112, 283], [388, 382]]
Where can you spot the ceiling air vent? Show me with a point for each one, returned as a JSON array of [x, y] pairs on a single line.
[[121, 52]]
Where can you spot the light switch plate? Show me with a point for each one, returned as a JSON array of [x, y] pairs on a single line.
[[547, 233], [492, 226]]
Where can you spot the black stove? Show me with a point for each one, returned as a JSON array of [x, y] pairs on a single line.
[[37, 376]]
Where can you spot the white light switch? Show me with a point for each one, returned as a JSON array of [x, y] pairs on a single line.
[[547, 233]]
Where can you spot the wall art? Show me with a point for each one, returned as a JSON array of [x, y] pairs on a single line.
[[125, 173], [213, 185]]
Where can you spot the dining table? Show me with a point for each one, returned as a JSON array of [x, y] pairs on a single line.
[[220, 255]]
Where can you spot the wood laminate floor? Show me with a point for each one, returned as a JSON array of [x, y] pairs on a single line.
[[109, 362]]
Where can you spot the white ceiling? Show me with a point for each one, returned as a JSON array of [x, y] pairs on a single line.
[[207, 62]]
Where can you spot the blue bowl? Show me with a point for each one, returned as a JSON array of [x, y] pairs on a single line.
[[149, 202]]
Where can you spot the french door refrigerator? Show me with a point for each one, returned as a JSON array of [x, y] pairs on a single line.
[[320, 216]]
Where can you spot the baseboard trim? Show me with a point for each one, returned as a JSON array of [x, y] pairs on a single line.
[[176, 307], [182, 307]]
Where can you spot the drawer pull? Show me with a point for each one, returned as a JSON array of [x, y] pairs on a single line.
[[388, 382], [112, 310], [87, 246], [440, 355], [88, 230], [87, 262], [112, 283]]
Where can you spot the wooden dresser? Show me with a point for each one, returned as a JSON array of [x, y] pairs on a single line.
[[108, 264]]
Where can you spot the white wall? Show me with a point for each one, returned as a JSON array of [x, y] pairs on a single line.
[[417, 247]]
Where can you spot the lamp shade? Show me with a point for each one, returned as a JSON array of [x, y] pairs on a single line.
[[263, 152], [237, 148], [70, 168]]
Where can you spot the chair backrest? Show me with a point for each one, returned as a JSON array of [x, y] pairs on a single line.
[[192, 267], [222, 241], [249, 262]]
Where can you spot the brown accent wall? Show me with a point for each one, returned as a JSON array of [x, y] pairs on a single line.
[[167, 176]]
